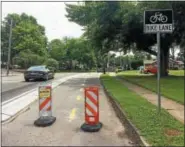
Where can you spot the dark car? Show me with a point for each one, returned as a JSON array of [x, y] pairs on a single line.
[[38, 73]]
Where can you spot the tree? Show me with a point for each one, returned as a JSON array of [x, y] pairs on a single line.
[[26, 59], [57, 49], [52, 64], [122, 26], [27, 36], [72, 50]]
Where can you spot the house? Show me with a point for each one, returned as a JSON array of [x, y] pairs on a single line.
[[173, 64], [181, 64]]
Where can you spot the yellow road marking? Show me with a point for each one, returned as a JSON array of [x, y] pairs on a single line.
[[78, 98], [72, 114]]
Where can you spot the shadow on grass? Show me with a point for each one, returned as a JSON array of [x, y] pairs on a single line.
[[150, 76]]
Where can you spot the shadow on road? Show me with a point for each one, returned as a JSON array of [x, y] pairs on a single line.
[[82, 82]]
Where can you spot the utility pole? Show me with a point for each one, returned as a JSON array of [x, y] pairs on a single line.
[[120, 60], [9, 48], [108, 61]]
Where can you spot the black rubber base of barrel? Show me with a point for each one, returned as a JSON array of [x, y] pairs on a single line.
[[91, 128], [45, 121]]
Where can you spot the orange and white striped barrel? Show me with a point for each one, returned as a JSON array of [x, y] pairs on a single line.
[[45, 101], [91, 105]]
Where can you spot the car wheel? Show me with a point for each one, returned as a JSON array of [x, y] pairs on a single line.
[[27, 80]]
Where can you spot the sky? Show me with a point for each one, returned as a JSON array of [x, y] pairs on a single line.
[[49, 14]]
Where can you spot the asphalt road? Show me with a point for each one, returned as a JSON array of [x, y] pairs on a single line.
[[68, 108], [13, 86]]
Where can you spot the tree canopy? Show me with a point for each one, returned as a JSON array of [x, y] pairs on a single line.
[[119, 25], [69, 50], [28, 39], [30, 45]]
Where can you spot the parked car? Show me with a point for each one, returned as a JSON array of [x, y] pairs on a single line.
[[41, 72], [152, 70]]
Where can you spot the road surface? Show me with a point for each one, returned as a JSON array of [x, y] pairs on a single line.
[[15, 85], [68, 108]]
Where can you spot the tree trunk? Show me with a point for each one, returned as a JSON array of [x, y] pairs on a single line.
[[104, 66], [71, 64]]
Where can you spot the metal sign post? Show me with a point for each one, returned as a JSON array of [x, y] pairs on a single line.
[[158, 72], [156, 22], [9, 48]]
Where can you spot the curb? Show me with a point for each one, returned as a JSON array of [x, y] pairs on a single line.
[[10, 119], [131, 130]]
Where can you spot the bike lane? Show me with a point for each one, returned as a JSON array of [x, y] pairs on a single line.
[[68, 108]]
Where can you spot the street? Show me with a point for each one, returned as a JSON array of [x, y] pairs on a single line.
[[68, 108], [15, 85], [92, 74]]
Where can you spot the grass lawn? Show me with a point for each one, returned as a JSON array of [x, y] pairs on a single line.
[[158, 130], [171, 87]]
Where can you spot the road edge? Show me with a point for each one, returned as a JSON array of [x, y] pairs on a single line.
[[132, 131], [11, 118]]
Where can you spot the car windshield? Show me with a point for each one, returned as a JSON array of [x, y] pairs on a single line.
[[36, 68]]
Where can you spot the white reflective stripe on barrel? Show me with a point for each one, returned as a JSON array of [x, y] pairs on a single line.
[[91, 104]]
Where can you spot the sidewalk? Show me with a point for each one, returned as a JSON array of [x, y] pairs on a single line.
[[13, 81], [174, 108], [68, 108], [11, 73]]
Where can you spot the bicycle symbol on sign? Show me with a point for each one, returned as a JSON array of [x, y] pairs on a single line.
[[158, 17]]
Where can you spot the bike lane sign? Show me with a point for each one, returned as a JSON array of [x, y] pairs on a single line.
[[158, 21]]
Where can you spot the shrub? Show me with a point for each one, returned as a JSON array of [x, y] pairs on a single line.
[[52, 64], [25, 60]]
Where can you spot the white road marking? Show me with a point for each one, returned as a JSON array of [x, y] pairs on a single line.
[[16, 104]]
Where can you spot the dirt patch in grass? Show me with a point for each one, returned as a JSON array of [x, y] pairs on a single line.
[[173, 132]]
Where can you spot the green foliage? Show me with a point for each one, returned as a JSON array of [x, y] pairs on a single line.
[[52, 64], [27, 37], [72, 53], [27, 59], [57, 49], [115, 25], [136, 63]]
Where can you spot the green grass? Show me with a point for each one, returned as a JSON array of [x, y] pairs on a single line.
[[172, 86], [176, 72], [144, 115]]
